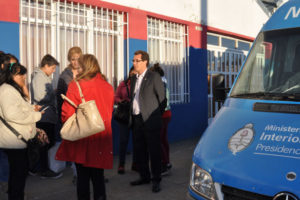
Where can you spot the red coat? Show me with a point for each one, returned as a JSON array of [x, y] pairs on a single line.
[[96, 150]]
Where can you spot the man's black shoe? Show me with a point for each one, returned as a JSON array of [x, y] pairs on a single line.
[[156, 187], [139, 182]]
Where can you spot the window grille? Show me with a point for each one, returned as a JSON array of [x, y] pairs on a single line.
[[225, 61], [53, 26], [168, 45], [225, 55]]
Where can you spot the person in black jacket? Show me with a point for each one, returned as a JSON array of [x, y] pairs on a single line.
[[147, 105]]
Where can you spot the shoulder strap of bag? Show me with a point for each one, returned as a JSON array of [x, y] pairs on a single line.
[[70, 101], [19, 136], [80, 92]]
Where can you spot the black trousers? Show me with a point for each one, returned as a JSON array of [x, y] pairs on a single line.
[[84, 175], [148, 146], [18, 170], [49, 128], [123, 144]]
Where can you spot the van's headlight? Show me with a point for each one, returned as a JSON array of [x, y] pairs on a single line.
[[202, 183]]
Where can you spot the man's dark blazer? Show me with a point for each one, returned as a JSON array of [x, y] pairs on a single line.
[[152, 99]]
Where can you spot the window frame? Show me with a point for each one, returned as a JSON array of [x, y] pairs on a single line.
[[167, 44]]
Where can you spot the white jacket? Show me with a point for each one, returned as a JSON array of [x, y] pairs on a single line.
[[19, 114]]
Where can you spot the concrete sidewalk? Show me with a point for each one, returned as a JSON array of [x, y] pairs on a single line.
[[174, 186]]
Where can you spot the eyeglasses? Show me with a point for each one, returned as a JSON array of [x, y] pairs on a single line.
[[137, 61]]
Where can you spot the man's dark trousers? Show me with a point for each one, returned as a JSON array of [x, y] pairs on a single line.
[[147, 143]]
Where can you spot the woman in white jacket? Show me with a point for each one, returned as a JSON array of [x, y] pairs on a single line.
[[21, 115]]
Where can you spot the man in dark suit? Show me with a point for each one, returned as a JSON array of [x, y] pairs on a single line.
[[147, 105]]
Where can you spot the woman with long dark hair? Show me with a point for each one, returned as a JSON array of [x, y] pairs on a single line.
[[21, 115]]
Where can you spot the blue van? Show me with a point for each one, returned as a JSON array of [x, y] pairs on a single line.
[[251, 150]]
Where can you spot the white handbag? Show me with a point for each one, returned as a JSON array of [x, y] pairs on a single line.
[[86, 120]]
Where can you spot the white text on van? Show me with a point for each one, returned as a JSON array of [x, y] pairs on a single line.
[[293, 11]]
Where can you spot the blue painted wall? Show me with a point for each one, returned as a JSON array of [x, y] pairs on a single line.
[[9, 38], [9, 43], [190, 119], [134, 45]]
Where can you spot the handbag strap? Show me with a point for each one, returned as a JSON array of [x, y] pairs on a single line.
[[69, 100], [19, 136], [80, 92]]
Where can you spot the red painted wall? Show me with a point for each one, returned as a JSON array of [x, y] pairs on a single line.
[[197, 35], [138, 22], [102, 4], [9, 11]]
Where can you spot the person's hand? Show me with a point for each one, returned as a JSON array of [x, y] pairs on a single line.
[[42, 136], [37, 108], [26, 92]]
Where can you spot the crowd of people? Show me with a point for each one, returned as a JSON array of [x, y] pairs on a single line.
[[42, 112]]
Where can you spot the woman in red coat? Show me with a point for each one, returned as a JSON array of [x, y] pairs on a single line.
[[92, 154]]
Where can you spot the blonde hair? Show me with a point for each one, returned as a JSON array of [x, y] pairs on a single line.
[[72, 51], [90, 67]]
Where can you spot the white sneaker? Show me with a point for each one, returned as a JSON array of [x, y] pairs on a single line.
[[31, 173]]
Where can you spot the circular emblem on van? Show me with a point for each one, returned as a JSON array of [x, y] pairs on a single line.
[[291, 176], [285, 196], [241, 139]]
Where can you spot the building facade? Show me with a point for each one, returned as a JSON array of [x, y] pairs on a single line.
[[191, 39]]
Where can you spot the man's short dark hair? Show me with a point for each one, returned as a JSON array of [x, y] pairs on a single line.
[[145, 55], [48, 60]]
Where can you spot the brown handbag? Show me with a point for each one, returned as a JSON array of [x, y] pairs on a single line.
[[86, 120]]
